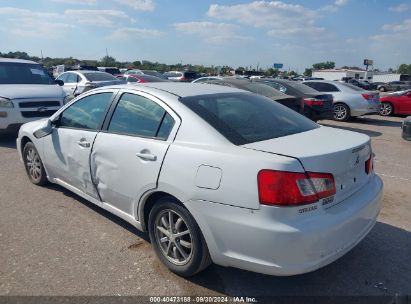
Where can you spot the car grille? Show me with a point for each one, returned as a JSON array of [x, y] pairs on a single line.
[[31, 114], [37, 104]]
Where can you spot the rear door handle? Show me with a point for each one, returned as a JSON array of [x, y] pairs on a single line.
[[146, 156], [84, 144]]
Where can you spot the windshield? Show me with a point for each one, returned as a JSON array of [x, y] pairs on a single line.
[[99, 76], [24, 73], [244, 118]]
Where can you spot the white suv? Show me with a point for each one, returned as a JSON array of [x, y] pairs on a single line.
[[27, 93]]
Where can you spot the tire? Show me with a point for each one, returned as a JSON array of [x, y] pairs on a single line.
[[34, 165], [185, 255], [386, 109], [341, 112], [382, 89]]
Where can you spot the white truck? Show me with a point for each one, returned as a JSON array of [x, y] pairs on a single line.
[[27, 93]]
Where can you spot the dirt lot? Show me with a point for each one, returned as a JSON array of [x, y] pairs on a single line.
[[55, 243]]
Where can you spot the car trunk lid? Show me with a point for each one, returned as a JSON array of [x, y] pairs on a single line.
[[326, 150]]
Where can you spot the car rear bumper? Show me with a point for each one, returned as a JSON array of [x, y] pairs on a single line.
[[368, 108], [284, 241], [316, 114]]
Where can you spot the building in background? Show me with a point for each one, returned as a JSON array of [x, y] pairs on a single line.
[[343, 74], [388, 77]]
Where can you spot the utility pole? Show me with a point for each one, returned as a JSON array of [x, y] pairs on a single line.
[[106, 57]]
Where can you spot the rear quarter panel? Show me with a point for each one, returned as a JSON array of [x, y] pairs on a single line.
[[235, 180]]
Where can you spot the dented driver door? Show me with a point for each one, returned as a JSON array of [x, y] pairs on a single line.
[[128, 154]]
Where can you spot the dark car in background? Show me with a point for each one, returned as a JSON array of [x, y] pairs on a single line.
[[110, 70], [294, 103], [383, 86], [363, 84], [400, 85], [317, 105], [185, 76]]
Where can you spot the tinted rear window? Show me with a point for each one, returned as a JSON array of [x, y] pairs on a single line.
[[99, 76], [352, 87], [245, 118]]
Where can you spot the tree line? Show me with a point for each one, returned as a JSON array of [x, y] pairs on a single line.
[[110, 61]]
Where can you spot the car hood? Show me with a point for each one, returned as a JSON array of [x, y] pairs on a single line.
[[25, 91]]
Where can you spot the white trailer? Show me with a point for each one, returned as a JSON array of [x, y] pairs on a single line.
[[386, 77], [341, 74]]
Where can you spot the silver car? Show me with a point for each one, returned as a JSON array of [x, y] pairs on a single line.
[[78, 82], [213, 173], [349, 100]]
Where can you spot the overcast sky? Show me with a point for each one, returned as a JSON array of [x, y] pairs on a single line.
[[296, 33]]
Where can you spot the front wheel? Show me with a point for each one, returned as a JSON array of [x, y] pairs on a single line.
[[382, 89], [177, 239], [33, 164], [341, 112], [386, 109]]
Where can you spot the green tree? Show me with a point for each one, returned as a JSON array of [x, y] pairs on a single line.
[[108, 61], [404, 69], [324, 65], [308, 72]]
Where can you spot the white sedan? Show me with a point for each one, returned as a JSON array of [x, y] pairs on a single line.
[[213, 173]]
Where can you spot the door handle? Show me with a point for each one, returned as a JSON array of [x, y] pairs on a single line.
[[84, 144], [146, 156]]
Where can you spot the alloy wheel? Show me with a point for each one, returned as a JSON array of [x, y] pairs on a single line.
[[33, 164], [173, 237], [385, 109], [340, 112]]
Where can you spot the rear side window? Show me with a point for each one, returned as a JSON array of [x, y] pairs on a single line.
[[87, 113], [139, 116], [245, 118]]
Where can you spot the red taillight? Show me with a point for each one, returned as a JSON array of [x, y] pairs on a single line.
[[367, 96], [291, 188], [369, 165], [313, 102], [183, 79]]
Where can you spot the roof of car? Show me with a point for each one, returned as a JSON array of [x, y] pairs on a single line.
[[16, 60], [180, 89]]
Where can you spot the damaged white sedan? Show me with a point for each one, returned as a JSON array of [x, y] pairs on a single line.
[[214, 174]]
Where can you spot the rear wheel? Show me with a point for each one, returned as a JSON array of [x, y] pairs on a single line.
[[33, 164], [177, 239], [341, 112], [382, 89], [386, 109]]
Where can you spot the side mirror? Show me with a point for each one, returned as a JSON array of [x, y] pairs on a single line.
[[59, 82], [44, 129]]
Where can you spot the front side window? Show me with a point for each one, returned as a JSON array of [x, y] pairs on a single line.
[[245, 118], [87, 113], [139, 116], [63, 77]]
